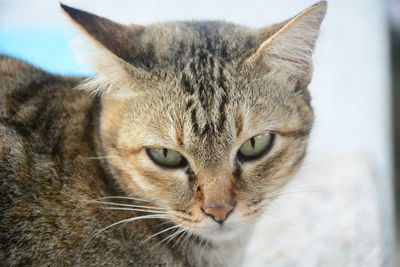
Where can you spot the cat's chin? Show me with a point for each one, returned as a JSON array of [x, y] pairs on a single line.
[[223, 233]]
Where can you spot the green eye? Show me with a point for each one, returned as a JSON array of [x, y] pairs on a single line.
[[166, 157], [255, 147]]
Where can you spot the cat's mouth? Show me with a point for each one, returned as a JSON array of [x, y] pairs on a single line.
[[207, 227], [213, 231]]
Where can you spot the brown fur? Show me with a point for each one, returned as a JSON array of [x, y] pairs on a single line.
[[199, 88]]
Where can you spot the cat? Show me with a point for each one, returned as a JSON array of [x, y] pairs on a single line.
[[167, 156]]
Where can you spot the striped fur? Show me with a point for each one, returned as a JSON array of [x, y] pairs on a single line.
[[200, 88]]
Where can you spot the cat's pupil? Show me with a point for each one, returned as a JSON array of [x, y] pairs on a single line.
[[166, 157], [253, 142], [255, 147]]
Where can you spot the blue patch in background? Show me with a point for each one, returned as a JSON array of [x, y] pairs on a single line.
[[45, 48]]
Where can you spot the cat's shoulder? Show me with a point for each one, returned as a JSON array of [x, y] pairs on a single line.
[[10, 66], [26, 90], [35, 104], [17, 75]]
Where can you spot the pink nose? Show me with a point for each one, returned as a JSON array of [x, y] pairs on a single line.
[[219, 213]]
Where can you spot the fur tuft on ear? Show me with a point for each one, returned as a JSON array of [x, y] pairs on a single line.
[[114, 59], [288, 51]]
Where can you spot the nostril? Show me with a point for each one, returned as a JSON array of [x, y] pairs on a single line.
[[219, 213]]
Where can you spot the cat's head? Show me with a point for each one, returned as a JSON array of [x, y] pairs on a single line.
[[206, 119]]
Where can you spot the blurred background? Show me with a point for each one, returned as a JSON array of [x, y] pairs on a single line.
[[394, 28], [340, 209]]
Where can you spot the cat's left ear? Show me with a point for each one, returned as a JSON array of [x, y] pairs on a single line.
[[287, 53]]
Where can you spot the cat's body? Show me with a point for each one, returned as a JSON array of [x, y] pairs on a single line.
[[60, 147], [49, 144]]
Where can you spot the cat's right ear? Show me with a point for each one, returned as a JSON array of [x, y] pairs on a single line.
[[114, 44]]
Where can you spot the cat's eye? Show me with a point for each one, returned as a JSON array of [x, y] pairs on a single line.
[[166, 157], [256, 147]]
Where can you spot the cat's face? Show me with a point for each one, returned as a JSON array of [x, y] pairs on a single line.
[[208, 120], [210, 169]]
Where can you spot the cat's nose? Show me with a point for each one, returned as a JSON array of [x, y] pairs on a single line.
[[219, 212]]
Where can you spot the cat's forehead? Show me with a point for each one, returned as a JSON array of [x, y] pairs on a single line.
[[206, 94], [208, 129], [174, 45], [201, 59]]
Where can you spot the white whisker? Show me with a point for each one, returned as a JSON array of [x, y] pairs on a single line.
[[170, 237], [188, 235], [121, 197], [131, 220], [163, 231], [177, 241], [125, 205], [185, 237], [133, 209], [278, 217], [164, 223], [282, 193], [100, 157], [202, 250], [174, 235], [117, 223]]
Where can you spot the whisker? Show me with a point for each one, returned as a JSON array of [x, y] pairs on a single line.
[[164, 223], [188, 235], [177, 241], [117, 223], [122, 197], [163, 231], [100, 157], [170, 237], [131, 220], [133, 209], [281, 193], [125, 205], [279, 218], [202, 250], [174, 235]]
